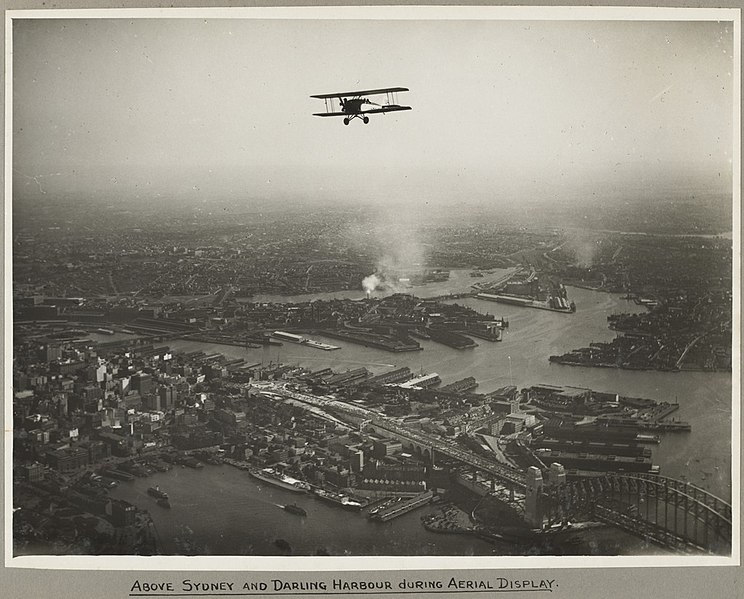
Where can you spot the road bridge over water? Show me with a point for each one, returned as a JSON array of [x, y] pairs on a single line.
[[667, 511]]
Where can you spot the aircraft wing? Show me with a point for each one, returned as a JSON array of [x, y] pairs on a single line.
[[383, 109], [366, 92]]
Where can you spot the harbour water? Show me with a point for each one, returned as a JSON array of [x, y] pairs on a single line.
[[221, 510], [702, 456]]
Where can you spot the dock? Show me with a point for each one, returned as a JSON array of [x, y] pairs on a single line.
[[461, 386], [403, 507]]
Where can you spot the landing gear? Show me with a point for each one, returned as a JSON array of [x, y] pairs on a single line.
[[362, 117]]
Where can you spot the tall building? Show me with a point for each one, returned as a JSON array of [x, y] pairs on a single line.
[[168, 397], [142, 382], [356, 461]]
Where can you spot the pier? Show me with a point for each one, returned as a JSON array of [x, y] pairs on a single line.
[[403, 507]]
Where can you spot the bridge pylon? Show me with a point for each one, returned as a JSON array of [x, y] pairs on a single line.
[[533, 502]]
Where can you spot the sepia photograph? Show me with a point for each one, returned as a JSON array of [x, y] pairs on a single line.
[[375, 284]]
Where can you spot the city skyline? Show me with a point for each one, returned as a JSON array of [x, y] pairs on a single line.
[[208, 109]]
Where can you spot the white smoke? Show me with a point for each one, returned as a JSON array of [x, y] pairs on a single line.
[[370, 283], [393, 235], [584, 249]]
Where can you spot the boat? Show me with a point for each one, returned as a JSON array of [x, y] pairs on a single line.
[[338, 499], [270, 476], [157, 493], [163, 502], [293, 508]]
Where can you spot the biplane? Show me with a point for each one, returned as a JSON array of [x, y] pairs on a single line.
[[353, 104]]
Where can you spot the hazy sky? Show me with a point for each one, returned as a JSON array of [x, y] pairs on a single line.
[[502, 110]]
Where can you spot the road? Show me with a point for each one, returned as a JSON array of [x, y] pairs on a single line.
[[444, 447]]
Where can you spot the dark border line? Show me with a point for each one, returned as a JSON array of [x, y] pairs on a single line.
[[410, 592]]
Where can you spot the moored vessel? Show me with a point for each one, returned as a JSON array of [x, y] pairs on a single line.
[[270, 476], [338, 499]]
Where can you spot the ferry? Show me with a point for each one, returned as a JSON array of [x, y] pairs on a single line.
[[157, 493]]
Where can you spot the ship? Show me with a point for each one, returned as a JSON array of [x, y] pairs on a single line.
[[338, 499], [282, 481], [293, 508], [157, 493], [163, 502]]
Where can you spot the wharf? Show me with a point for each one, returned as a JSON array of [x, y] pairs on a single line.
[[461, 386], [403, 507], [372, 340], [664, 410], [524, 302], [593, 447], [397, 375], [215, 340], [422, 382], [118, 474], [451, 339], [645, 425], [485, 335]]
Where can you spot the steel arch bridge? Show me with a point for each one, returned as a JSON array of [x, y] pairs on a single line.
[[666, 511]]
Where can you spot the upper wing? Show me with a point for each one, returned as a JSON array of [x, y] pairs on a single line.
[[366, 92]]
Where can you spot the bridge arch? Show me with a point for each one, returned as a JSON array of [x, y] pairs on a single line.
[[669, 512]]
